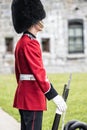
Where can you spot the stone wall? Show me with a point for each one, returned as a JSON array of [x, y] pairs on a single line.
[[57, 26], [6, 31], [56, 29]]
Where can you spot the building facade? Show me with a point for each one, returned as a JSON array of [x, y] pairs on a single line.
[[63, 40]]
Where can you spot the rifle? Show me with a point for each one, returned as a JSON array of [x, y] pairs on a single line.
[[65, 95]]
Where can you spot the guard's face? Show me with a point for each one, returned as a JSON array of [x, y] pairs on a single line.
[[39, 26]]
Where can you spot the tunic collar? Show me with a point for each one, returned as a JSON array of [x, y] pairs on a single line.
[[30, 35]]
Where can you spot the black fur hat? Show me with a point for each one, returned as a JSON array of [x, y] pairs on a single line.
[[25, 13]]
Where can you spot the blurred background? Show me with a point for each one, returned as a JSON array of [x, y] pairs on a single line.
[[64, 50], [63, 40]]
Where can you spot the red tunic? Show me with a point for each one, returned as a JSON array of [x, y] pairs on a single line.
[[30, 95]]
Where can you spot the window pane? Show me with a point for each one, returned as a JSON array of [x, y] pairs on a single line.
[[79, 41], [71, 32], [78, 31], [71, 41], [79, 48], [71, 48]]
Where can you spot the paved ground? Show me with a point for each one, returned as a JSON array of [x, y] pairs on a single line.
[[7, 122]]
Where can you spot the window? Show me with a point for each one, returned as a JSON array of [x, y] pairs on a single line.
[[9, 44], [76, 38], [45, 44]]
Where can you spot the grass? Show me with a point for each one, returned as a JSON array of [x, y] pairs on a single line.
[[77, 100]]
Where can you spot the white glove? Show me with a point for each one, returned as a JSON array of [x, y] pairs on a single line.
[[60, 103], [59, 112]]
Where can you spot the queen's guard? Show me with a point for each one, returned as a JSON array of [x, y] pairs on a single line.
[[33, 86]]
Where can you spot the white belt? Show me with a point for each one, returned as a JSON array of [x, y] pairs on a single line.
[[27, 77]]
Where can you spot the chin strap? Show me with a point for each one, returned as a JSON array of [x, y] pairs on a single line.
[[74, 124]]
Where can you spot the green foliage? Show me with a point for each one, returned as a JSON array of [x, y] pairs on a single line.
[[77, 99]]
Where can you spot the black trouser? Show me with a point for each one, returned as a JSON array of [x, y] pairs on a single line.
[[31, 120]]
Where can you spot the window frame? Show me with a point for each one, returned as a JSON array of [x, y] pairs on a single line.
[[72, 24]]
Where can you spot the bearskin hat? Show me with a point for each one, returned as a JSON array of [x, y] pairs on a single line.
[[26, 13]]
